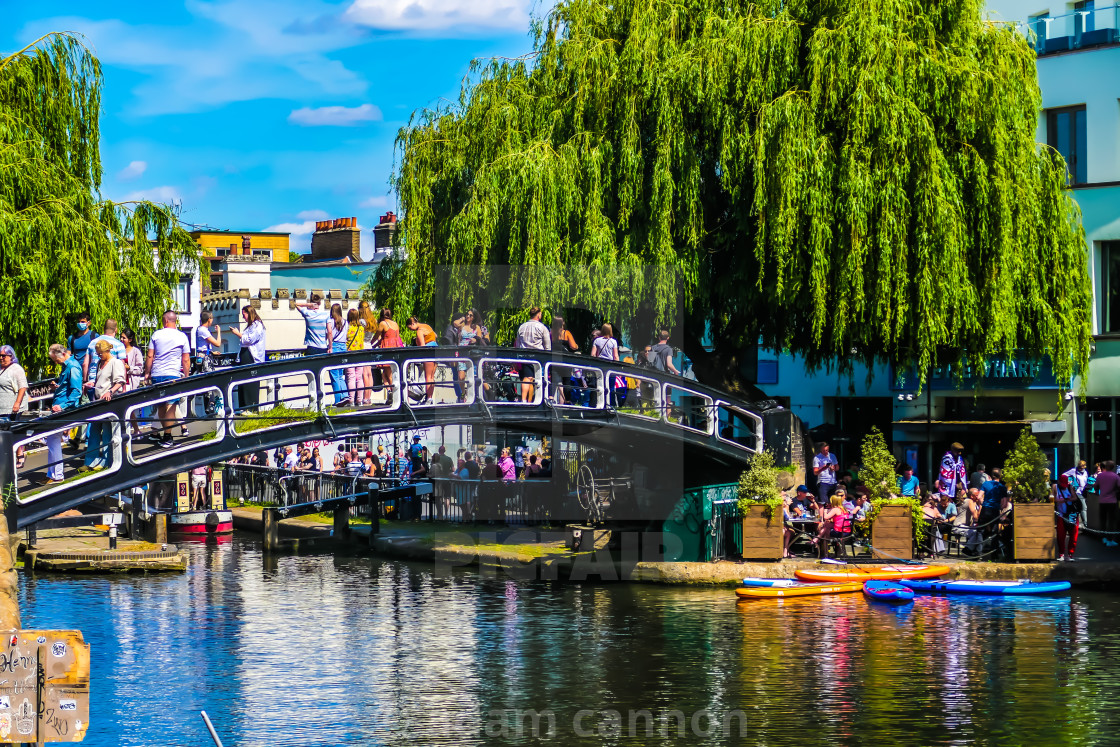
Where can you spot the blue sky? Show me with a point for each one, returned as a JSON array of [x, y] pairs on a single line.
[[269, 114]]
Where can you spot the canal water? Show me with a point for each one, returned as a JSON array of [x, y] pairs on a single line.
[[319, 650]]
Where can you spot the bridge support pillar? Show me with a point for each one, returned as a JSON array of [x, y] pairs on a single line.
[[342, 524], [9, 536], [270, 528], [155, 528]]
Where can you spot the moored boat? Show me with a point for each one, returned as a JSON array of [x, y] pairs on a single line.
[[200, 522]]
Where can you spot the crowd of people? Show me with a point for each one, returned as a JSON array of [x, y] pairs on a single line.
[[101, 364], [974, 508]]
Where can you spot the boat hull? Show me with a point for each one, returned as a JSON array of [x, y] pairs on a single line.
[[200, 522]]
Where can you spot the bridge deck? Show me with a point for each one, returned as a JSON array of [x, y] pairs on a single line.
[[602, 402]]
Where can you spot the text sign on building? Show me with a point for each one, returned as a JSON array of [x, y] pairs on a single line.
[[1016, 373], [44, 686]]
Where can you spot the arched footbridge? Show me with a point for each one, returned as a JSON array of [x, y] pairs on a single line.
[[616, 406]]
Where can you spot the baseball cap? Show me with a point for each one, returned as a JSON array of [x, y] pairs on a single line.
[[802, 489], [415, 438]]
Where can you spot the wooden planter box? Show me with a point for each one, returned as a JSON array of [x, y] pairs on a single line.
[[1034, 531], [762, 537], [892, 532]]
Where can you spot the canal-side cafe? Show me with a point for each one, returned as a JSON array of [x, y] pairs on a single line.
[[985, 411]]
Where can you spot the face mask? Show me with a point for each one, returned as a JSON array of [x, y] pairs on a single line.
[[83, 326]]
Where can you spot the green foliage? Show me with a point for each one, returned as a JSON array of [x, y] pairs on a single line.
[[63, 248], [878, 470], [759, 484], [849, 181], [1025, 470]]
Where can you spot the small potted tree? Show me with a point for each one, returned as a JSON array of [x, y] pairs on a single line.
[[760, 504], [1032, 517], [893, 522]]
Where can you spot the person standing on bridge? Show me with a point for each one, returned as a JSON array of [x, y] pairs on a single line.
[[388, 335], [660, 356], [13, 391], [110, 380], [535, 336], [605, 346], [336, 332], [315, 320], [67, 392], [169, 359], [425, 337], [252, 351], [355, 341]]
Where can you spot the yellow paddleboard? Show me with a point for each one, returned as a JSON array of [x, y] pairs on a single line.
[[797, 590]]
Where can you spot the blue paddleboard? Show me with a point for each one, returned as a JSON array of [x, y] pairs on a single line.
[[1006, 588], [752, 581], [887, 591]]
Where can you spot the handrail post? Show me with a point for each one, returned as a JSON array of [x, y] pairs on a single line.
[[374, 512]]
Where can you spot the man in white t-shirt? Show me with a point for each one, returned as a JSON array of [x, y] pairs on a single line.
[[290, 459], [169, 359], [532, 334]]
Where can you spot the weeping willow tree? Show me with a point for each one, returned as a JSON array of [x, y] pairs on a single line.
[[846, 181], [63, 248]]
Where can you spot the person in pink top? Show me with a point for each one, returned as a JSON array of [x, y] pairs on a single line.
[[506, 467], [836, 523]]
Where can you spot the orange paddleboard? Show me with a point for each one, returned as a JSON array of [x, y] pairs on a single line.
[[873, 573], [797, 590]]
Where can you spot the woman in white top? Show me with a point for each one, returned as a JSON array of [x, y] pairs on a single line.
[[605, 346], [337, 332], [110, 380], [252, 351], [13, 390], [133, 372]]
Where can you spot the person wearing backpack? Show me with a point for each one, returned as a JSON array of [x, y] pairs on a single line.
[[660, 356]]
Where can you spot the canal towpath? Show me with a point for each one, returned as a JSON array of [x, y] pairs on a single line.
[[543, 554]]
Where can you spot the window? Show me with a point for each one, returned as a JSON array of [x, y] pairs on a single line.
[[1083, 20], [266, 253], [1065, 133], [983, 408], [217, 282], [1038, 24], [1109, 290], [767, 372], [181, 296]]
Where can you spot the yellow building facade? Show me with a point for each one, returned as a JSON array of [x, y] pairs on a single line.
[[217, 245]]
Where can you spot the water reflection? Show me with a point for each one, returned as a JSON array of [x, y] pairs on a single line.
[[359, 651]]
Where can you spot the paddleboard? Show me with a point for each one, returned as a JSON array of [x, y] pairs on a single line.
[[887, 591], [797, 590], [873, 573], [1006, 588], [753, 581]]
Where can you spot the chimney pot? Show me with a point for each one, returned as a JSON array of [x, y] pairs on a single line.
[[354, 222]]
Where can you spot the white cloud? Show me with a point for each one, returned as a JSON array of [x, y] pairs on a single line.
[[335, 116], [133, 170], [306, 228], [440, 15], [164, 194], [377, 201], [313, 215], [233, 51]]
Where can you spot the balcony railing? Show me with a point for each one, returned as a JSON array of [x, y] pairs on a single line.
[[1088, 27]]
